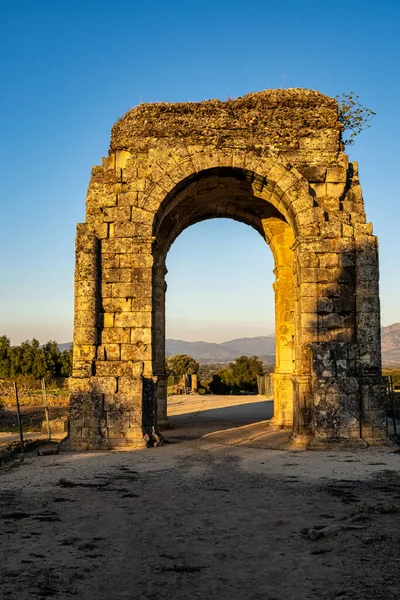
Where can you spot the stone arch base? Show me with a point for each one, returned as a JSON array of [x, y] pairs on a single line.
[[274, 161]]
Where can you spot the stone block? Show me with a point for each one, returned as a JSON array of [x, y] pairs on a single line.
[[336, 175], [305, 218], [79, 385], [110, 261], [325, 305], [124, 230], [347, 259], [143, 231], [347, 230], [319, 189], [140, 276], [85, 303], [113, 368], [130, 386], [106, 290], [307, 290], [307, 305], [335, 189], [132, 261], [116, 214], [307, 275], [314, 174], [139, 215], [133, 319], [135, 352], [126, 198], [113, 305], [116, 335], [83, 352], [131, 290], [117, 275], [367, 273], [368, 304], [324, 275], [331, 230], [142, 304], [363, 229], [85, 288], [109, 352], [142, 335], [307, 259], [102, 230], [366, 257], [86, 273], [329, 203], [104, 385], [84, 319], [328, 261], [123, 246], [82, 368], [85, 336]]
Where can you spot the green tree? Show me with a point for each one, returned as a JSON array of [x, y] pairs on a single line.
[[53, 362], [66, 363], [180, 364], [5, 357], [353, 115], [242, 374], [218, 383]]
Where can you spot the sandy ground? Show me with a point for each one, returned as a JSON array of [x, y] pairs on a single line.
[[210, 515]]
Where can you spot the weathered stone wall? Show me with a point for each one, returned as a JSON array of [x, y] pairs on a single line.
[[273, 160]]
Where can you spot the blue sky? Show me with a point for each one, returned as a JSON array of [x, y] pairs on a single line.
[[69, 69]]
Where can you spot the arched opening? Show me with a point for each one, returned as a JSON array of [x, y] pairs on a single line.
[[245, 197], [219, 290]]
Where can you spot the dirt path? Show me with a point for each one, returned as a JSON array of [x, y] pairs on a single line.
[[199, 519]]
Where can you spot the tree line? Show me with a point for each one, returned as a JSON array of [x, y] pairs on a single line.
[[238, 376], [32, 360], [35, 361]]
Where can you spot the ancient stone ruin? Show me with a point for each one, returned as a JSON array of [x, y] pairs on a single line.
[[273, 160]]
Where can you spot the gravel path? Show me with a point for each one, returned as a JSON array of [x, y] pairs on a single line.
[[200, 519]]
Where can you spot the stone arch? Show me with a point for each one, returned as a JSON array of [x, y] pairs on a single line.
[[246, 197], [280, 155]]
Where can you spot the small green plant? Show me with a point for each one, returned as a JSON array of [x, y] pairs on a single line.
[[353, 115]]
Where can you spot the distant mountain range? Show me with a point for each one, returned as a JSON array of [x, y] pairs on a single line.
[[65, 346], [391, 345], [261, 346], [264, 347]]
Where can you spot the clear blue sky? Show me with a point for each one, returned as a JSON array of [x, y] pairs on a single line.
[[69, 69]]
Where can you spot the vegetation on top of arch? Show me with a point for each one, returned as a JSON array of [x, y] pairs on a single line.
[[353, 115]]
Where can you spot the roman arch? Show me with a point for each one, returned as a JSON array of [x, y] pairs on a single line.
[[273, 160]]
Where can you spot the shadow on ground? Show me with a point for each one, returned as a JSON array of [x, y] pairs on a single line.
[[232, 420]]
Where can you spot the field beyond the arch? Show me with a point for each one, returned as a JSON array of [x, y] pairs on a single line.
[[209, 515]]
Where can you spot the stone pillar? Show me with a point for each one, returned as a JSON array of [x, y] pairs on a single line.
[[86, 303], [306, 327], [284, 339], [158, 332], [85, 408], [369, 366], [280, 238]]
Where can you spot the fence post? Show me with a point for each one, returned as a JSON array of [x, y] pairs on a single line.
[[46, 408], [391, 396], [21, 437]]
